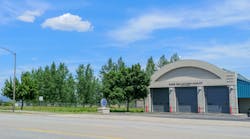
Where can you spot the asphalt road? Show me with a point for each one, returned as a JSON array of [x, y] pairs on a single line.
[[86, 126]]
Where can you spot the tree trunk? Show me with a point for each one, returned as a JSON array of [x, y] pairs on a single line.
[[144, 105], [128, 105], [22, 104]]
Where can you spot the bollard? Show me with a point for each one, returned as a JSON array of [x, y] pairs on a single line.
[[170, 109]]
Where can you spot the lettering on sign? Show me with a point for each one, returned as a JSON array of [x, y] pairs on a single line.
[[230, 78], [186, 84]]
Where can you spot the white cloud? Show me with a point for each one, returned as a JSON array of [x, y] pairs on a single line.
[[228, 12], [29, 16], [25, 11], [140, 27], [68, 22], [231, 56], [218, 51]]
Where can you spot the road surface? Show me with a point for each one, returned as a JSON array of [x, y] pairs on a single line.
[[91, 126]]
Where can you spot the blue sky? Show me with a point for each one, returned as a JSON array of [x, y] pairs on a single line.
[[91, 31]]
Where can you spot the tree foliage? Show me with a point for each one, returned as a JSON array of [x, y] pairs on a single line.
[[57, 86], [86, 84], [117, 82], [124, 84], [175, 57], [162, 62], [8, 88], [25, 90], [150, 67]]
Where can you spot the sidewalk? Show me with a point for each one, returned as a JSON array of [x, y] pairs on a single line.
[[205, 116]]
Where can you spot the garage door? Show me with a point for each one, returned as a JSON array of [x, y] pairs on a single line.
[[186, 99], [244, 105], [160, 99], [217, 99]]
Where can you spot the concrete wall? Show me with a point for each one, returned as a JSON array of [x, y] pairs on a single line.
[[172, 100], [233, 99], [187, 73], [201, 99]]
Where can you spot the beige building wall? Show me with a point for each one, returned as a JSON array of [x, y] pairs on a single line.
[[194, 73]]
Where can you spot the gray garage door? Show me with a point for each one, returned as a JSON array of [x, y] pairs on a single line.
[[160, 99], [244, 104], [186, 99], [217, 99]]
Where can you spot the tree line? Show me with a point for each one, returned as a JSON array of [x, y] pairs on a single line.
[[117, 82]]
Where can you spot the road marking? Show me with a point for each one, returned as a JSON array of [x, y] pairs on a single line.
[[67, 133]]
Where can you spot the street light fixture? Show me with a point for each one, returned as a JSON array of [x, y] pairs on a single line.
[[14, 79]]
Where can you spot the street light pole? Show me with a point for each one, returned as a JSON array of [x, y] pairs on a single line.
[[14, 84], [14, 79]]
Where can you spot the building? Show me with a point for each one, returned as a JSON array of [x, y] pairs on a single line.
[[198, 87]]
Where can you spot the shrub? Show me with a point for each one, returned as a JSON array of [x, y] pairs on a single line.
[[115, 109]]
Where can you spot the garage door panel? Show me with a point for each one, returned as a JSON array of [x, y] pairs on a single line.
[[244, 105], [186, 99], [160, 100], [217, 99]]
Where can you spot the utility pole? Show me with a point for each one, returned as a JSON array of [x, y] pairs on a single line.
[[14, 83]]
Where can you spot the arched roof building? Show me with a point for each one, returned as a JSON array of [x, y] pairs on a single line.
[[197, 86]]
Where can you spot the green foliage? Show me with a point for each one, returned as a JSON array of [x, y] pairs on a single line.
[[174, 58], [61, 109], [87, 85], [57, 85], [134, 110], [70, 90], [55, 109], [110, 66], [120, 64], [111, 91], [28, 88], [8, 88], [125, 84], [150, 67], [118, 83], [136, 83], [162, 62], [6, 104], [25, 90]]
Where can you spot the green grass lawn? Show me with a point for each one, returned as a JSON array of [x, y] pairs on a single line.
[[70, 109]]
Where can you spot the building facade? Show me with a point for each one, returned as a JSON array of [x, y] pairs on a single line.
[[198, 87]]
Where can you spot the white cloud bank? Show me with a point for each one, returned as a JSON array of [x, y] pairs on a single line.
[[26, 11], [68, 22], [29, 16], [233, 56], [219, 51], [228, 12]]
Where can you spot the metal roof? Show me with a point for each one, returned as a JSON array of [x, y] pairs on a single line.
[[241, 77]]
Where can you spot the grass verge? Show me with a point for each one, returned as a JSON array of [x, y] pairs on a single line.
[[70, 109]]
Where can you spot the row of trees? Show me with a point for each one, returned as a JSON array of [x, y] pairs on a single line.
[[117, 82], [57, 86], [151, 66]]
